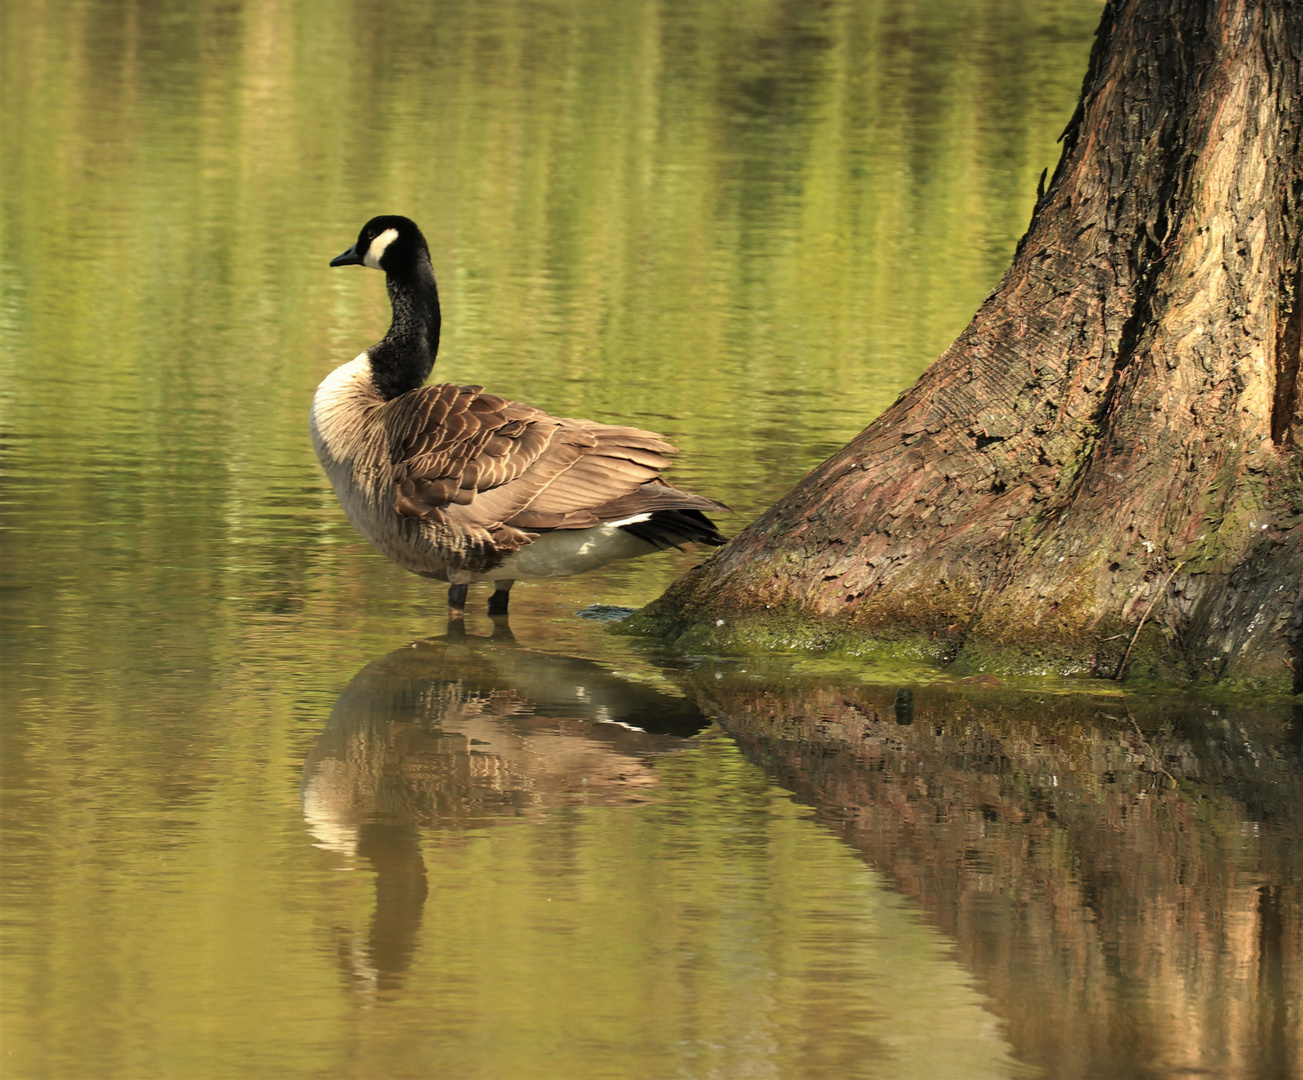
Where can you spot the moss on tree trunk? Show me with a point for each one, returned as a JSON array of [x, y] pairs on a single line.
[[1114, 439]]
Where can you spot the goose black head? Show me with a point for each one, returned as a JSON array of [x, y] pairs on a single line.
[[388, 242]]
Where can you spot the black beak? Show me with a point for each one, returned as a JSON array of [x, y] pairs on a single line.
[[349, 258]]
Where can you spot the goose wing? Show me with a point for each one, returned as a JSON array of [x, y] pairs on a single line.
[[600, 484], [499, 472]]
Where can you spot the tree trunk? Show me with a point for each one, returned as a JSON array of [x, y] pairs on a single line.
[[1102, 473]]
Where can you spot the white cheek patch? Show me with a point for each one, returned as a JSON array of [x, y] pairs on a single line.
[[376, 251]]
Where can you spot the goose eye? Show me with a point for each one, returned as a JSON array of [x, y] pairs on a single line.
[[376, 246]]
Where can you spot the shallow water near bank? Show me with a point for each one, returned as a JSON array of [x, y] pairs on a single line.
[[266, 813]]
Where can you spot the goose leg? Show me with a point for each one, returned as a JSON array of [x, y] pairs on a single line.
[[501, 594], [456, 601]]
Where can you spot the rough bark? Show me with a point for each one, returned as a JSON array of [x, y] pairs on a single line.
[[1113, 443]]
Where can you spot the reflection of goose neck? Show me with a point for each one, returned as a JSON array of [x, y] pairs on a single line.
[[394, 852]]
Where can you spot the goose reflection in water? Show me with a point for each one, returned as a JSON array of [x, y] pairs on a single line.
[[455, 733]]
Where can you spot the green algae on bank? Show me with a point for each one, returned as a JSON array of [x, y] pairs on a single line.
[[1147, 660]]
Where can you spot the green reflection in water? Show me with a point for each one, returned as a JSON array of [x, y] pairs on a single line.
[[747, 225]]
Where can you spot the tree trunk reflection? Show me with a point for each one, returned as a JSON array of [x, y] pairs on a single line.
[[1124, 880]]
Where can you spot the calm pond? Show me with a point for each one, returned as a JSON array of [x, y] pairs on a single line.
[[266, 815]]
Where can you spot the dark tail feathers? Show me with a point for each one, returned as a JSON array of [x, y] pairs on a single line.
[[674, 528]]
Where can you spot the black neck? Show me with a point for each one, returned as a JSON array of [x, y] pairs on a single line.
[[403, 359]]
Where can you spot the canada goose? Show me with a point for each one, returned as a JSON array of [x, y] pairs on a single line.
[[459, 485]]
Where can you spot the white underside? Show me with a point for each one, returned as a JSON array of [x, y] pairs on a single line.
[[562, 553]]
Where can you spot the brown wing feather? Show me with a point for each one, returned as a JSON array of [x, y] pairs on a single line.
[[499, 472], [619, 462], [448, 442]]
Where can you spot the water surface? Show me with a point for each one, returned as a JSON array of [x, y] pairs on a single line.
[[264, 813]]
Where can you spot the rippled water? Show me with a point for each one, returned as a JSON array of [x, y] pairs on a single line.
[[266, 815]]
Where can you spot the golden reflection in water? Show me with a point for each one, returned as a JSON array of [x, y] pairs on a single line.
[[558, 859]]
